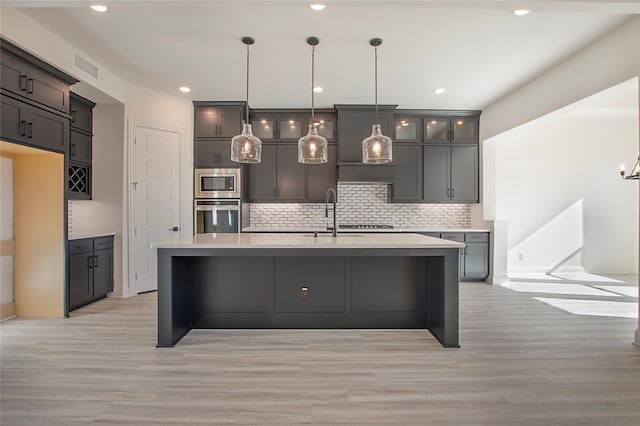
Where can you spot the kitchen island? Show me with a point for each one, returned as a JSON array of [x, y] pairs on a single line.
[[308, 281]]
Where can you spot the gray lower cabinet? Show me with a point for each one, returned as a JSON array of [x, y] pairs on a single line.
[[474, 258], [90, 270]]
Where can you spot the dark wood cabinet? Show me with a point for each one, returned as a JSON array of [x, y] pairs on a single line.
[[474, 257], [24, 80], [79, 170], [451, 174], [212, 154], [354, 125], [90, 270], [407, 186], [25, 124], [217, 119], [321, 177]]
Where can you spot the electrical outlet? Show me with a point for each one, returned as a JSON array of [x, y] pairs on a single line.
[[520, 256], [304, 293]]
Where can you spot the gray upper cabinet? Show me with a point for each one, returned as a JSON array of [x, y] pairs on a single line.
[[81, 113], [262, 176], [459, 130], [464, 174], [80, 148], [437, 177], [354, 125], [212, 154], [217, 119], [290, 175], [321, 177], [407, 129], [407, 186]]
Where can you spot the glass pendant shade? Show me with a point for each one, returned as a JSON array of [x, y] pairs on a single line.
[[246, 148], [312, 148], [376, 149]]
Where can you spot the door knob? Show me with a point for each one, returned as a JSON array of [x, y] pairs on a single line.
[[174, 229]]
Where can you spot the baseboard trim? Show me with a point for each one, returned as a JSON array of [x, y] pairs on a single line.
[[7, 311]]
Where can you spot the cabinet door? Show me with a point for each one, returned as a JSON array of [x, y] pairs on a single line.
[[476, 261], [205, 154], [292, 127], [436, 130], [80, 279], [326, 125], [79, 147], [48, 91], [102, 273], [290, 174], [264, 126], [223, 149], [206, 124], [13, 126], [230, 122], [13, 75], [81, 116], [407, 129], [321, 177], [262, 176], [436, 173], [49, 131], [464, 174], [408, 173], [350, 138], [464, 130]]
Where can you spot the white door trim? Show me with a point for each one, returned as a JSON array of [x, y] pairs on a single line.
[[132, 176]]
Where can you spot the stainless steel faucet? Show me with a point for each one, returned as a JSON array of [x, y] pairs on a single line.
[[326, 208]]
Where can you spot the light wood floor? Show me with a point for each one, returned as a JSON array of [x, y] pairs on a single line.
[[522, 362]]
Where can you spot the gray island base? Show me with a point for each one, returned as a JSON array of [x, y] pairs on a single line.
[[301, 281]]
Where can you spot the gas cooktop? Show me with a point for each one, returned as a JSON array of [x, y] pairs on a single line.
[[365, 226]]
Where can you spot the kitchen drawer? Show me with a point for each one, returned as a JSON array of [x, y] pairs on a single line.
[[80, 246], [476, 237], [453, 236], [103, 243]]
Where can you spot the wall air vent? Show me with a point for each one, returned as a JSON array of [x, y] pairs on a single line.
[[86, 66]]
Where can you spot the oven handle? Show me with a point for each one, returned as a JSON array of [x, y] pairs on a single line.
[[215, 208]]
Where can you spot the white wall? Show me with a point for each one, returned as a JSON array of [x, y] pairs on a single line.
[[557, 184], [6, 228], [104, 211]]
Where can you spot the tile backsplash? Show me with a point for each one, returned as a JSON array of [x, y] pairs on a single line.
[[362, 204]]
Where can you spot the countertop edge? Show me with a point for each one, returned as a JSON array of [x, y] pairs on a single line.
[[83, 235]]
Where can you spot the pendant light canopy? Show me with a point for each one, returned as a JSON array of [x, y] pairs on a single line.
[[246, 148], [376, 149], [312, 148]]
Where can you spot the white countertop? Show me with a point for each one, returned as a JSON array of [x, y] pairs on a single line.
[[81, 235], [305, 241], [341, 230]]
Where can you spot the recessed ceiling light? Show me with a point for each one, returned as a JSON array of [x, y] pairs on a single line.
[[317, 6], [317, 89], [521, 12], [99, 8], [439, 90], [185, 89]]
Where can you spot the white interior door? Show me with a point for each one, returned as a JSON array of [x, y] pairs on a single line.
[[157, 196]]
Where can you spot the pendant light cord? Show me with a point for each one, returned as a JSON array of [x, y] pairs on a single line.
[[247, 106], [313, 67], [376, 80]]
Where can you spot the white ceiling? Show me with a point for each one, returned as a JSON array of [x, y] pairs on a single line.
[[477, 49]]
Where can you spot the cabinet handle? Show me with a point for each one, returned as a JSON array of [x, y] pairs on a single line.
[[29, 130], [275, 193], [219, 129], [448, 193], [90, 262], [95, 264], [30, 86], [452, 193], [73, 149], [23, 82], [23, 128], [73, 116]]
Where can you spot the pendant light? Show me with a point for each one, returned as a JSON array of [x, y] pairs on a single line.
[[376, 149], [246, 148], [312, 148]]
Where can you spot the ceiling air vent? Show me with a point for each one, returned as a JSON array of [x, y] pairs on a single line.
[[86, 66]]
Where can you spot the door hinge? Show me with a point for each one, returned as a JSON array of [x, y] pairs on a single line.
[[136, 278], [135, 141], [135, 231]]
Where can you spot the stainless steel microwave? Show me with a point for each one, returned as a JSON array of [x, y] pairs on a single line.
[[217, 183]]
